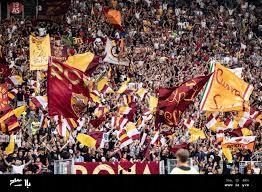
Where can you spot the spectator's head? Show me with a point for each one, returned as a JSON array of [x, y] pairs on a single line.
[[182, 156], [18, 162]]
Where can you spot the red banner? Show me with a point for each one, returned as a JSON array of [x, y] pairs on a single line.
[[16, 8], [117, 168], [173, 102]]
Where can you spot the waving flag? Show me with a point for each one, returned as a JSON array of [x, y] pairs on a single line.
[[131, 131], [62, 82], [11, 147], [4, 97], [172, 102], [245, 142], [114, 17], [92, 140], [10, 118], [113, 54], [225, 91], [16, 80], [247, 117], [39, 101], [124, 139], [40, 51], [195, 134], [85, 62], [103, 86]]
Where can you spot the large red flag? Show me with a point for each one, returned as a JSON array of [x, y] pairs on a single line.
[[62, 82], [172, 102]]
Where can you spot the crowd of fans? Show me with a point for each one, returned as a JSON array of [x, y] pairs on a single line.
[[167, 43]]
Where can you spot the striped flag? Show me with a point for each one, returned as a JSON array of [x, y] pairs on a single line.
[[132, 131], [247, 117], [16, 80], [212, 120], [124, 139], [92, 139], [100, 111], [103, 86], [124, 110], [38, 101], [155, 138], [118, 122], [10, 118]]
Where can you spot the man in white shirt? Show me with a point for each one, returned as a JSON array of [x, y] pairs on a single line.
[[182, 166], [17, 168]]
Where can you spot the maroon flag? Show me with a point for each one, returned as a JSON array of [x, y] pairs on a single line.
[[172, 102], [98, 136], [62, 82], [97, 122], [175, 148]]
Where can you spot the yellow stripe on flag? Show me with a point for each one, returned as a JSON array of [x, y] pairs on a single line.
[[101, 84], [246, 132], [123, 86], [95, 98], [11, 147], [153, 103], [130, 126], [227, 153], [18, 111]]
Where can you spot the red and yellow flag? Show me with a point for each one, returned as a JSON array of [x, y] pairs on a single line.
[[62, 82], [85, 62], [225, 91]]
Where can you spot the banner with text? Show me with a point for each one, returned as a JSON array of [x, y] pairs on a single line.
[[117, 168]]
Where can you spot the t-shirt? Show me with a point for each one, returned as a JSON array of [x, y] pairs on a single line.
[[17, 169], [184, 170]]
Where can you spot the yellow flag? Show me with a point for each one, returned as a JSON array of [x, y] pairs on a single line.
[[246, 132], [195, 134], [95, 98], [11, 147], [225, 91], [130, 126], [141, 92], [227, 153], [153, 103], [18, 111], [123, 86], [40, 51], [80, 61], [101, 84], [86, 140]]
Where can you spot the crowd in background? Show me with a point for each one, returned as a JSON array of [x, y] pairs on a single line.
[[167, 43]]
